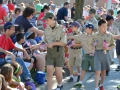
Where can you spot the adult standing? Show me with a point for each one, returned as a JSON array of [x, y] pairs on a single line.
[[63, 12], [73, 11], [24, 20], [38, 6]]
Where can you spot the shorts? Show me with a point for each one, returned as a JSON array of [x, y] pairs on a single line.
[[87, 62], [75, 57], [55, 56], [101, 60]]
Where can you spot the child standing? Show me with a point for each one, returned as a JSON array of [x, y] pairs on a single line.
[[101, 57], [75, 52], [87, 44]]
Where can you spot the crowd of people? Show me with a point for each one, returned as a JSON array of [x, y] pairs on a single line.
[[40, 38]]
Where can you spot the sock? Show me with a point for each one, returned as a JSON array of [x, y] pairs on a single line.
[[79, 74], [71, 76], [59, 84], [101, 85], [96, 88], [80, 82]]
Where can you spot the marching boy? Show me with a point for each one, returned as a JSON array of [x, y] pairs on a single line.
[[87, 44], [75, 52]]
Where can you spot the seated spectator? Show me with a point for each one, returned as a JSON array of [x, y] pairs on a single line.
[[17, 12], [20, 40], [7, 72], [24, 21], [17, 71], [7, 44]]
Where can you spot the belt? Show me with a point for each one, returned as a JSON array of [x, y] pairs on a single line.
[[76, 48]]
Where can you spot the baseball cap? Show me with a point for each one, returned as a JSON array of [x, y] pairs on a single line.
[[75, 24], [9, 24], [92, 11], [89, 25], [47, 15], [53, 6]]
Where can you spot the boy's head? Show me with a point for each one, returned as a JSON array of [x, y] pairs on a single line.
[[89, 27], [109, 19], [102, 25], [110, 12], [9, 28], [20, 38], [19, 29], [118, 14], [49, 18], [92, 12], [75, 25]]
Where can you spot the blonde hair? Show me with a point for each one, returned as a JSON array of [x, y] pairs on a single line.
[[7, 72]]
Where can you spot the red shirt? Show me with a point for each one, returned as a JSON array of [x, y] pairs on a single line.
[[6, 43], [11, 7], [2, 14]]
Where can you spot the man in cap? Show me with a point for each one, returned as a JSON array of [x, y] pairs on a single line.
[[56, 40], [88, 59], [92, 19], [52, 8], [75, 52]]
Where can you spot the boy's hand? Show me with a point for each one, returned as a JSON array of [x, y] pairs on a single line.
[[50, 45]]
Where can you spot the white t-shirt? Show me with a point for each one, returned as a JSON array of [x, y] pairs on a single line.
[[19, 46], [85, 13]]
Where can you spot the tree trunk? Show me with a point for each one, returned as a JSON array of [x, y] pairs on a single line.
[[79, 9]]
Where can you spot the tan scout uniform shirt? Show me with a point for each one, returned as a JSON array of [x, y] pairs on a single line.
[[86, 41], [101, 37], [56, 35], [94, 22], [117, 24], [113, 29]]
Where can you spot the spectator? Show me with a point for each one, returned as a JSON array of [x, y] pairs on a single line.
[[24, 21], [51, 2], [38, 6], [5, 6], [3, 14], [73, 11], [22, 6], [63, 12], [52, 8], [7, 44], [10, 5], [17, 12]]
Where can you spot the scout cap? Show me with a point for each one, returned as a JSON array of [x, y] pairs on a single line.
[[8, 24], [89, 25], [92, 11], [47, 15], [75, 24]]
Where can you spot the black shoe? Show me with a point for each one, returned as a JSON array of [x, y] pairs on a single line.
[[59, 87], [70, 80], [107, 73], [78, 78], [118, 68]]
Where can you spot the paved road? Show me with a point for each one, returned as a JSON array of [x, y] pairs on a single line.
[[111, 81]]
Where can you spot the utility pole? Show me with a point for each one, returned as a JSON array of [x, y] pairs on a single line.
[[109, 3]]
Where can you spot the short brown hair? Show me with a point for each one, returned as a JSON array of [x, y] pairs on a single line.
[[28, 12], [7, 72]]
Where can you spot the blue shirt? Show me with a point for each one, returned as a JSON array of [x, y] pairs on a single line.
[[20, 20], [5, 7], [62, 12], [33, 20]]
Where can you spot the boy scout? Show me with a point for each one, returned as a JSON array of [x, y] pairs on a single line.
[[55, 39], [114, 30], [75, 52], [92, 19], [101, 59], [117, 24], [87, 44]]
